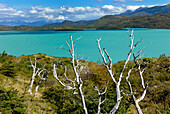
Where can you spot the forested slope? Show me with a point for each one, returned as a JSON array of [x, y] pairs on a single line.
[[15, 74]]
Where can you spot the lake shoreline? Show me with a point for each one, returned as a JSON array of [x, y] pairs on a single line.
[[17, 43], [85, 29]]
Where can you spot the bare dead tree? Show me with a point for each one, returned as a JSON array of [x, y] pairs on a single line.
[[110, 71], [35, 72], [42, 76], [135, 100], [100, 101], [77, 68], [68, 86]]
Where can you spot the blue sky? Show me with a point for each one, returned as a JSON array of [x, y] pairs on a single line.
[[59, 10], [75, 3]]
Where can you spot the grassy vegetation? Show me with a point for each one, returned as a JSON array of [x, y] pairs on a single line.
[[15, 74]]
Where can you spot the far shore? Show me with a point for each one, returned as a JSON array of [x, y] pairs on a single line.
[[52, 28]]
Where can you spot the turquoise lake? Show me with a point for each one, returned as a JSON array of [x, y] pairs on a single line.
[[116, 42]]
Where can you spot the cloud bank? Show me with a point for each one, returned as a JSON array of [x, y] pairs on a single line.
[[47, 14]]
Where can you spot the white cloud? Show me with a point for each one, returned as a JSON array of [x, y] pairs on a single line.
[[61, 17], [33, 11], [7, 13], [47, 14], [134, 7], [112, 10], [119, 0], [110, 7]]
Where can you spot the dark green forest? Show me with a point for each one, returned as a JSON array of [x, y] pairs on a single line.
[[15, 74]]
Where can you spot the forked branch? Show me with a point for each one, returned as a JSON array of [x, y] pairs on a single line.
[[35, 72], [77, 70], [100, 101], [62, 83], [136, 101], [109, 68], [43, 75]]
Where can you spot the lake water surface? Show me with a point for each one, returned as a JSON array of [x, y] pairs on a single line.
[[116, 42]]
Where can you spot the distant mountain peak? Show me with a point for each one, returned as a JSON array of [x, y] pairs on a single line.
[[140, 8], [142, 11]]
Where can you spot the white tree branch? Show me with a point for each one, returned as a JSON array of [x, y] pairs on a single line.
[[35, 71], [127, 80], [78, 38], [42, 78], [100, 102], [77, 70], [62, 48], [63, 84], [136, 101], [109, 68]]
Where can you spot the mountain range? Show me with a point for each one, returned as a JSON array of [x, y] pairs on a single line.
[[138, 12], [154, 17], [147, 11], [160, 20]]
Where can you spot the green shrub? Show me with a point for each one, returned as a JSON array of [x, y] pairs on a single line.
[[10, 102], [61, 100], [8, 70]]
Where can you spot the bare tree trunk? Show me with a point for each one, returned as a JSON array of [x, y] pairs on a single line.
[[40, 81], [118, 100], [82, 98], [136, 101], [77, 71], [109, 68], [100, 102], [32, 81], [138, 107], [33, 75], [78, 79], [36, 88]]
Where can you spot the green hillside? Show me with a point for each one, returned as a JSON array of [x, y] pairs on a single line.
[[160, 20], [15, 74]]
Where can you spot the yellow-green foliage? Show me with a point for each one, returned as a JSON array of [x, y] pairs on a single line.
[[53, 98]]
